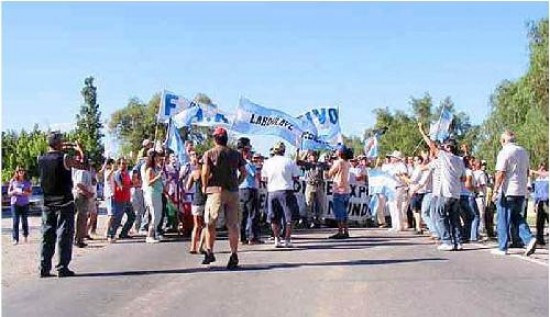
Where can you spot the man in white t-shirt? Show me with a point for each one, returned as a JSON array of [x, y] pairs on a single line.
[[280, 172], [451, 170], [512, 171]]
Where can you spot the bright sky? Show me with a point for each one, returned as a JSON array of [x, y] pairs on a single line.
[[289, 56]]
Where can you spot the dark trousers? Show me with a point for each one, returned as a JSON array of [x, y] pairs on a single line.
[[20, 212], [490, 220], [250, 221], [57, 227], [514, 229], [449, 221], [542, 218]]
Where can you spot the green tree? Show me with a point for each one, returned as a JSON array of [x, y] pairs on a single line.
[[402, 130], [521, 105], [136, 122], [88, 123], [22, 149]]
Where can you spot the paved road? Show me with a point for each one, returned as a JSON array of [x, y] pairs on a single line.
[[373, 274]]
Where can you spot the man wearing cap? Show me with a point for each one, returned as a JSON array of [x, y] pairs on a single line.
[[248, 193], [512, 170], [220, 182], [313, 172], [452, 172], [398, 202], [58, 214], [280, 172]]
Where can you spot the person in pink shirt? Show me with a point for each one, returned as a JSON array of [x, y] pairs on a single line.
[[339, 172]]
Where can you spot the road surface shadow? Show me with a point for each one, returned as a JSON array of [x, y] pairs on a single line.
[[258, 267], [335, 246]]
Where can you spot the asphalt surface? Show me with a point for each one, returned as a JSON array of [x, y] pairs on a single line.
[[375, 273]]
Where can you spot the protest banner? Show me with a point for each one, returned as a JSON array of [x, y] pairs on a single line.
[[255, 119]]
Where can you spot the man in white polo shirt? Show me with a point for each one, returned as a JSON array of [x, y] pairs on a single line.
[[512, 170]]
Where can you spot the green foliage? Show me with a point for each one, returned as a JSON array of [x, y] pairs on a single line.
[[22, 149], [402, 127], [88, 123], [521, 105], [136, 122]]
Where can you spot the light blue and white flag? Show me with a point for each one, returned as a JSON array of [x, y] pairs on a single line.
[[255, 119], [381, 182], [371, 146], [175, 143], [170, 104], [202, 115], [326, 121], [211, 115], [441, 129], [310, 140]]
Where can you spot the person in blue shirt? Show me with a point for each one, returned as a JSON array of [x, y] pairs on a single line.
[[248, 194], [541, 200]]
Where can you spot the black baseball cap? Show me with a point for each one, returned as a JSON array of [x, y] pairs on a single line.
[[54, 138]]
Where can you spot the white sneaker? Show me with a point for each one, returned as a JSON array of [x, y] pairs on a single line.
[[498, 252], [111, 240], [288, 244], [531, 247], [459, 246], [160, 237], [151, 240], [278, 243], [15, 242], [25, 239], [445, 247]]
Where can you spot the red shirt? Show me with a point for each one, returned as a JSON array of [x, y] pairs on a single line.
[[123, 184]]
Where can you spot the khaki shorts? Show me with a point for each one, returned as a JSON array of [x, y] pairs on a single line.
[[197, 210], [225, 201]]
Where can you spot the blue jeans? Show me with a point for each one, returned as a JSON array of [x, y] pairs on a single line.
[[119, 210], [57, 226], [20, 212], [470, 217], [449, 221], [434, 215], [340, 206], [425, 211], [509, 211]]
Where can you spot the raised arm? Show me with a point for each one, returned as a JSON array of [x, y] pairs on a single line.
[[429, 142]]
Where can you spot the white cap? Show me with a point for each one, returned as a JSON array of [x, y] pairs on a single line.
[[397, 155]]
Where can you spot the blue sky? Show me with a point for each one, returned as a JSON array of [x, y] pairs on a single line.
[[289, 56]]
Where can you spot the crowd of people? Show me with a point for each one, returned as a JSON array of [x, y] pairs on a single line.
[[443, 192]]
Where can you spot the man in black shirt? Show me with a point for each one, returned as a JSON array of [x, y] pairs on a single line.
[[58, 215]]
